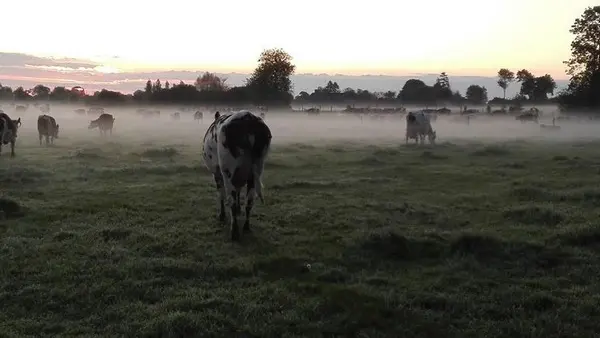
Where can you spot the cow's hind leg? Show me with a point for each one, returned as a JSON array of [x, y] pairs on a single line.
[[232, 203], [250, 192], [235, 211], [12, 148], [221, 191], [40, 139], [47, 140]]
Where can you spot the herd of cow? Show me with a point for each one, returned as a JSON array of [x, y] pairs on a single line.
[[235, 147]]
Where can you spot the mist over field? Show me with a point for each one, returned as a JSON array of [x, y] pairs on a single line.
[[300, 127]]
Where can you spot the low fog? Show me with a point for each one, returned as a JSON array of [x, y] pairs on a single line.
[[301, 127]]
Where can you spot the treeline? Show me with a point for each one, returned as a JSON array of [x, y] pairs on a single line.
[[212, 89], [270, 84]]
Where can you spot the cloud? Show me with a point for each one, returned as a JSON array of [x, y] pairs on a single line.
[[22, 60]]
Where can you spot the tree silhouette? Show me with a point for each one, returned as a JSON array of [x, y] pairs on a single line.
[[584, 64], [505, 77], [477, 94], [270, 81]]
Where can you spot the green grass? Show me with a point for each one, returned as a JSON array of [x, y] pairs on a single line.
[[109, 239]]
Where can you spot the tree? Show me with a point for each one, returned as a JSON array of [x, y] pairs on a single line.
[[167, 85], [584, 64], [157, 87], [332, 88], [535, 88], [389, 95], [303, 96], [527, 81], [148, 88], [416, 91], [21, 94], [442, 87], [270, 81], [5, 93], [210, 82], [477, 94], [60, 94], [41, 92], [505, 77], [543, 86]]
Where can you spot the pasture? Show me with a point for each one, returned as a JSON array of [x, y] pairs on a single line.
[[360, 236]]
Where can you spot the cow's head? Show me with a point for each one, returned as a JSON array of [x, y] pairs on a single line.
[[93, 124]]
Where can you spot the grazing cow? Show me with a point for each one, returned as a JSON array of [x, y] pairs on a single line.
[[198, 116], [8, 132], [418, 126], [313, 111], [529, 116], [104, 123], [47, 127], [95, 110], [235, 149], [175, 116]]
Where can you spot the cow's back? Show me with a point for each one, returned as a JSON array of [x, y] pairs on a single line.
[[244, 132], [210, 152], [106, 121], [46, 124]]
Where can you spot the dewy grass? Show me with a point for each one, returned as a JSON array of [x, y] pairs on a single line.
[[377, 241]]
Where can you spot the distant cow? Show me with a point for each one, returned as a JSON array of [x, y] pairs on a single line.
[[235, 148], [529, 116], [80, 111], [262, 115], [176, 116], [104, 123], [418, 126], [47, 127], [95, 110], [20, 109], [45, 108], [198, 116], [149, 113], [8, 132]]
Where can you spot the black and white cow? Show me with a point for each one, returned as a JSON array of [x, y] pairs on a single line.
[[47, 127], [418, 126], [8, 132], [198, 115], [235, 148], [104, 123]]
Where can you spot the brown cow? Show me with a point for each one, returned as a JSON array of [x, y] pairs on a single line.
[[47, 127], [8, 132], [104, 123]]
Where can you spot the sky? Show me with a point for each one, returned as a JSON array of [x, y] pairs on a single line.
[[460, 37]]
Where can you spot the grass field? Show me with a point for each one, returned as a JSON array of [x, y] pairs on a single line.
[[461, 240]]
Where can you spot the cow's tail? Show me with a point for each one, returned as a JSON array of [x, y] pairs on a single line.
[[260, 149]]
